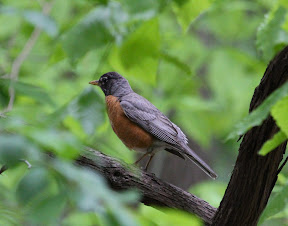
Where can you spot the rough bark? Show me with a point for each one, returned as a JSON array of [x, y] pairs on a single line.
[[254, 176], [154, 191]]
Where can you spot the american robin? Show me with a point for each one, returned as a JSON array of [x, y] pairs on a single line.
[[140, 125]]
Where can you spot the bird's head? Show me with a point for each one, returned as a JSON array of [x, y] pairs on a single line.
[[114, 84]]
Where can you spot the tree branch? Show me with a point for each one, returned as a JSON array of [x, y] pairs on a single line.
[[254, 176], [154, 191]]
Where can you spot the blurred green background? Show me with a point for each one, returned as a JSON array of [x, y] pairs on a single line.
[[198, 61]]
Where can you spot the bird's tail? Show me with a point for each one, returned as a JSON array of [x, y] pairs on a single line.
[[199, 162]]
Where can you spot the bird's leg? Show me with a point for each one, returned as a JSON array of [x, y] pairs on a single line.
[[148, 163], [143, 156]]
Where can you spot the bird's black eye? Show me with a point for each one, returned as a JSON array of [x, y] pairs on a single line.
[[103, 80]]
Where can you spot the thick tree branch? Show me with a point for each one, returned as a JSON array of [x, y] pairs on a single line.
[[254, 176], [154, 191]]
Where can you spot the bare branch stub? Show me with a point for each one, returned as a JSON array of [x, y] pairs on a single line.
[[254, 176]]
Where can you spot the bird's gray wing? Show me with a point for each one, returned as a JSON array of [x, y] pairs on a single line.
[[146, 115]]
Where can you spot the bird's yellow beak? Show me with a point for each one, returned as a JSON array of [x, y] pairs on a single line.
[[94, 82]]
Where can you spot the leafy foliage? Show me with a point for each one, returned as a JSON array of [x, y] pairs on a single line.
[[195, 60], [140, 49], [273, 143], [100, 27], [279, 113], [276, 205], [270, 32], [188, 10], [260, 113], [35, 18]]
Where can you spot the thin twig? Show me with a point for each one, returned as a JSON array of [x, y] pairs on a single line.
[[27, 163], [16, 65]]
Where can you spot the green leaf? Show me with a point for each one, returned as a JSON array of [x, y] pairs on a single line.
[[119, 216], [75, 127], [188, 10], [48, 209], [8, 215], [57, 54], [100, 27], [256, 117], [275, 205], [85, 219], [12, 149], [38, 19], [166, 216], [176, 62], [273, 143], [269, 32], [138, 56], [142, 9], [32, 184], [29, 90], [100, 199], [89, 109], [280, 113], [62, 143]]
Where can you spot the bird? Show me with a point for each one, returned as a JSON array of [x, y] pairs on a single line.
[[140, 125]]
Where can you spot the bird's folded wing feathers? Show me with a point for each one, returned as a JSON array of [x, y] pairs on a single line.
[[146, 115]]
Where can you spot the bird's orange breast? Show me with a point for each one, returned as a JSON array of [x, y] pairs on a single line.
[[132, 135]]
